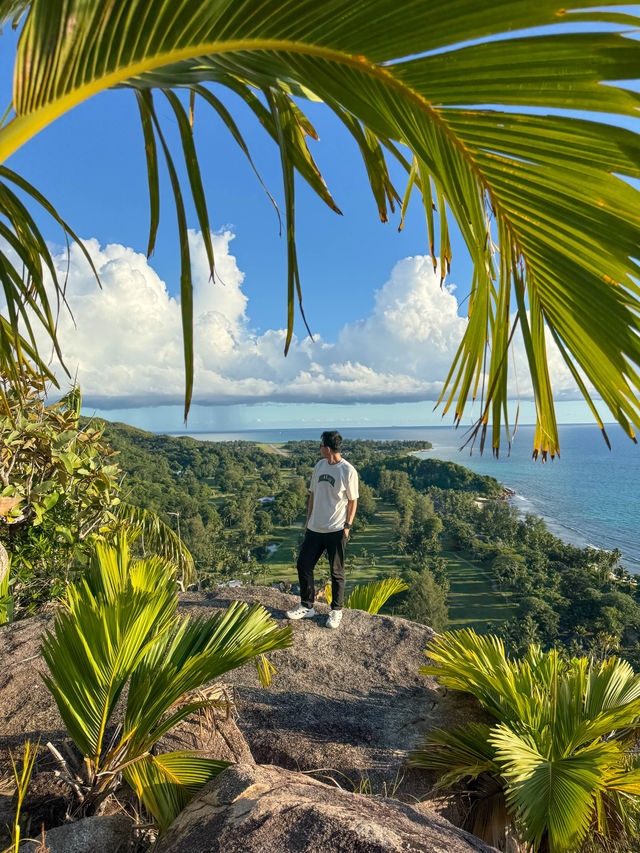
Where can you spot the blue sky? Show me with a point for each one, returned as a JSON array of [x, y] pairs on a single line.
[[377, 358]]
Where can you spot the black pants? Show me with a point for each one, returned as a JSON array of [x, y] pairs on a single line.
[[313, 547]]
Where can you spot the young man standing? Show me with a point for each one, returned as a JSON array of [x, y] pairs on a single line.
[[333, 498]]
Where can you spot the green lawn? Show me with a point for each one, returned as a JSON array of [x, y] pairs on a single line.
[[281, 565], [472, 600], [274, 448]]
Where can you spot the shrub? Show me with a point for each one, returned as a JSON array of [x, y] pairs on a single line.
[[559, 760], [120, 628]]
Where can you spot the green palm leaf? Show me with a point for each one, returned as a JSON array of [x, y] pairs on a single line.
[[157, 537], [460, 753], [465, 755], [112, 620], [372, 596], [6, 600], [25, 266], [199, 651], [12, 9], [554, 795], [95, 648], [542, 201], [562, 743], [119, 628], [112, 571], [598, 702], [165, 783], [479, 665]]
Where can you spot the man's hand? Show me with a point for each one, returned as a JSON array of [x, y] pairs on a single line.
[[351, 511]]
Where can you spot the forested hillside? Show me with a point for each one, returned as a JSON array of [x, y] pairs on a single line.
[[467, 554]]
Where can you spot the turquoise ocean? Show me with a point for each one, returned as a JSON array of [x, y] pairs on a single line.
[[588, 496]]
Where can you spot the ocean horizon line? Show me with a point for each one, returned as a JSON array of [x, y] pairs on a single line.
[[462, 427]]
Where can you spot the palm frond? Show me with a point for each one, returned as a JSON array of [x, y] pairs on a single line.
[[602, 700], [464, 755], [119, 629], [157, 537], [94, 649], [165, 783], [552, 794], [266, 670], [112, 619], [25, 267], [463, 752], [196, 653], [479, 665], [543, 201], [372, 596], [564, 734], [112, 571], [12, 10]]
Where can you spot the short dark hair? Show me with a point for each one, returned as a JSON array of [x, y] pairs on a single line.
[[332, 439]]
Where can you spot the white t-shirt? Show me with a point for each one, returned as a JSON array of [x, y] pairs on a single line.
[[332, 486]]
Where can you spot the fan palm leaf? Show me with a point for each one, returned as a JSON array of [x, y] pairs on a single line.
[[554, 796], [463, 660], [94, 650], [543, 202], [561, 742], [370, 597], [112, 619], [617, 806], [199, 651], [460, 753], [119, 628], [464, 754], [112, 571]]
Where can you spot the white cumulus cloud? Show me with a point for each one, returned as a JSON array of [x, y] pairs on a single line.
[[125, 340]]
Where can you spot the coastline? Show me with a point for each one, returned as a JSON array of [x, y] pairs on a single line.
[[548, 500], [588, 496]]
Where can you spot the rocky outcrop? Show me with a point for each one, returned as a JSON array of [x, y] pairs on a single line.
[[345, 705], [257, 808], [26, 706]]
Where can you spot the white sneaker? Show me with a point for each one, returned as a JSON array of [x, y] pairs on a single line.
[[334, 619], [301, 612]]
